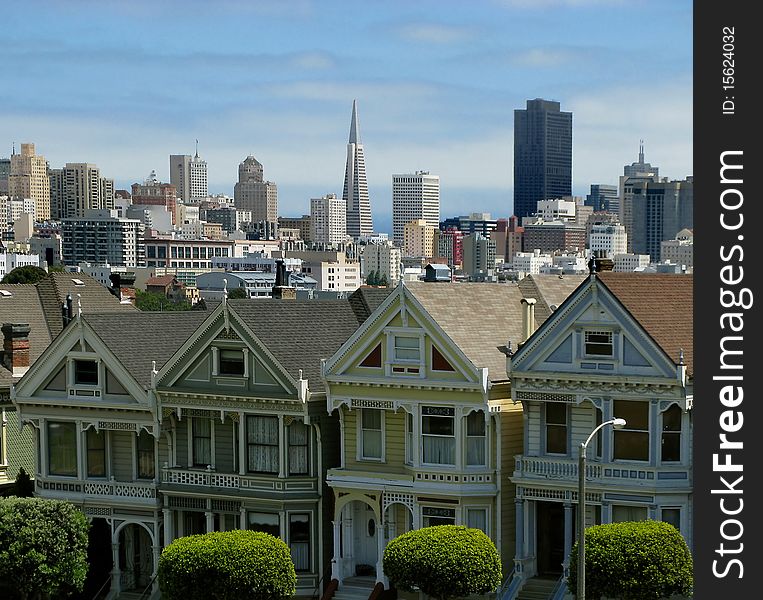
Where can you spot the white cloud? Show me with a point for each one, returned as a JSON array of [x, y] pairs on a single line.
[[545, 4], [548, 57], [435, 33]]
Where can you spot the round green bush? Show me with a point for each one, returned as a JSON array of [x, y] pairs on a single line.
[[43, 548], [645, 560], [445, 561], [228, 565]]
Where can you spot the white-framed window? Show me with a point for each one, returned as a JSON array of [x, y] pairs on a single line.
[[371, 434], [299, 540], [476, 439], [672, 515], [556, 428], [299, 438], [438, 516], [62, 448], [201, 434], [438, 425], [407, 349], [476, 518], [622, 513], [599, 343], [671, 435], [262, 444], [264, 522], [632, 441], [95, 442]]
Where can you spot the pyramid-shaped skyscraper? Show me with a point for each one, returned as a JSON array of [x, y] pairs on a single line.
[[355, 192]]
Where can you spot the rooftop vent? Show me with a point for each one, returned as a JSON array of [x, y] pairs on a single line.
[[5, 294], [78, 282]]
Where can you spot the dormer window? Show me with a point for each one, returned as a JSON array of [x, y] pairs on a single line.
[[86, 372], [599, 343], [407, 348], [232, 362]]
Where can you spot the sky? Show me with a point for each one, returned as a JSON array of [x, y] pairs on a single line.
[[124, 84]]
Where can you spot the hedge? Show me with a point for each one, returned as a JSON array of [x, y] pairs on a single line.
[[444, 561], [228, 565], [645, 560]]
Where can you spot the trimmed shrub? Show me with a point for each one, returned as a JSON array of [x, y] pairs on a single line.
[[645, 560], [43, 548], [229, 565], [444, 561]]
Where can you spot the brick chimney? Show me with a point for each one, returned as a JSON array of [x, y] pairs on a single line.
[[123, 287], [16, 347], [282, 290]]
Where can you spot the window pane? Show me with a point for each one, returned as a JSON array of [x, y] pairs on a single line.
[[598, 343], [631, 445], [672, 516], [671, 447], [622, 514], [298, 437], [96, 453], [372, 444], [635, 413], [202, 441], [146, 468], [231, 362], [86, 372], [671, 419], [406, 348], [62, 449], [437, 425], [262, 444], [475, 439], [371, 418], [477, 518], [439, 450], [299, 541], [556, 413], [475, 423], [556, 439], [265, 522]]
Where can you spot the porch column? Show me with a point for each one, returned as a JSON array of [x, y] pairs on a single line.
[[156, 552], [167, 516], [336, 572], [210, 521], [519, 549], [347, 547], [242, 460], [242, 518], [380, 545], [568, 523], [116, 574]]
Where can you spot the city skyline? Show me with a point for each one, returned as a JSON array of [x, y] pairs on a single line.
[[437, 90]]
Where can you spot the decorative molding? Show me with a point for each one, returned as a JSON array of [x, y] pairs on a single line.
[[383, 404]]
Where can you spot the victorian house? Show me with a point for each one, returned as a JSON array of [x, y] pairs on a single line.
[[620, 346], [428, 428]]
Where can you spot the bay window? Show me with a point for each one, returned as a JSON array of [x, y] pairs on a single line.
[[62, 448], [262, 444], [371, 433], [475, 438], [299, 435], [438, 435], [632, 441]]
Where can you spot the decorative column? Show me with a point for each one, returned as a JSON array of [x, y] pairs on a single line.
[[347, 547], [568, 527], [167, 522], [242, 458], [155, 580], [519, 549], [242, 518], [336, 571], [380, 545], [116, 574], [210, 521]]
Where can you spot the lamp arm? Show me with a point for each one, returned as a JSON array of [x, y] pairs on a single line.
[[593, 433]]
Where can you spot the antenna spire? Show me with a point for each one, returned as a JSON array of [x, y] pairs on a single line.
[[354, 126], [197, 148]]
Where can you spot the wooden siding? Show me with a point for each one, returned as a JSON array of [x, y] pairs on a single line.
[[224, 446], [181, 443], [122, 455], [511, 445]]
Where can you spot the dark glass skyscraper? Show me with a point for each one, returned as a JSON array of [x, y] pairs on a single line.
[[542, 155]]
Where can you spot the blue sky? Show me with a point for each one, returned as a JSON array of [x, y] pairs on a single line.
[[124, 84]]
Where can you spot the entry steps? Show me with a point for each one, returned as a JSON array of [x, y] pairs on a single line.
[[355, 588], [537, 588]]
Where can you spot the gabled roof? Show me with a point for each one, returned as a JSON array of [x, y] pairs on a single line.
[[664, 306], [548, 290], [163, 280], [479, 317], [23, 306], [137, 338], [299, 333], [366, 300]]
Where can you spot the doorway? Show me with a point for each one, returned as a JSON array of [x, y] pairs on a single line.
[[550, 532]]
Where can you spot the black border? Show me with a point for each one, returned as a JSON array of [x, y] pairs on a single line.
[[714, 133]]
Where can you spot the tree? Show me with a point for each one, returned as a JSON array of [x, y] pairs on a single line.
[[238, 293], [371, 278], [43, 548], [444, 562], [229, 565], [26, 274], [151, 301], [645, 560], [383, 280]]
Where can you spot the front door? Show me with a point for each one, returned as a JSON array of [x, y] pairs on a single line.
[[550, 531], [365, 530]]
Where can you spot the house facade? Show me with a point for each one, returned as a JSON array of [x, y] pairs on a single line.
[[620, 346]]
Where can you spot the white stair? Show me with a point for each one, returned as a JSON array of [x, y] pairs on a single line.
[[355, 588]]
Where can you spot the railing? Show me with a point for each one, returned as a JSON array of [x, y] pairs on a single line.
[[510, 586], [136, 490], [100, 589], [147, 589], [234, 481], [377, 591], [560, 589], [331, 589], [326, 572]]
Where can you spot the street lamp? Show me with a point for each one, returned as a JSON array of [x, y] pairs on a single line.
[[617, 424]]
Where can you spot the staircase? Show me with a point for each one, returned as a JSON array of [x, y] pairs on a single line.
[[537, 588], [355, 588]]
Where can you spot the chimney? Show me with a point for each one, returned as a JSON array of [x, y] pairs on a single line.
[[282, 290], [603, 262], [528, 317], [127, 288], [16, 347]]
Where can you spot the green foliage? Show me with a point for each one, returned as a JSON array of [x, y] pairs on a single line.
[[43, 548], [372, 278], [383, 280], [26, 274], [230, 565], [23, 487], [444, 561], [645, 560], [151, 301], [238, 293]]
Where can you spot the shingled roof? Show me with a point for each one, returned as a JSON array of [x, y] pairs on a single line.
[[479, 317], [664, 306], [21, 304], [548, 290], [366, 300]]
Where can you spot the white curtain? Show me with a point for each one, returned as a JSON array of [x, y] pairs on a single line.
[[372, 433], [298, 438], [477, 518], [300, 555], [439, 450], [262, 438]]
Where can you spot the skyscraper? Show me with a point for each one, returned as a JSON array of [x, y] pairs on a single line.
[[542, 154], [28, 178], [328, 220], [189, 176], [78, 188], [414, 196], [254, 194], [355, 194]]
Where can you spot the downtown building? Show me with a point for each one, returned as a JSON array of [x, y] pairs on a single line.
[[355, 191], [101, 237], [542, 155], [252, 193], [414, 196], [154, 193], [78, 188], [189, 176], [328, 220], [28, 178]]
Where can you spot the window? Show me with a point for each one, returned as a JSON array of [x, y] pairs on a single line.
[[598, 343], [62, 449], [475, 438], [672, 516], [370, 433], [86, 372], [145, 455], [556, 428], [299, 435], [476, 518], [262, 444], [265, 522], [438, 516], [201, 432], [622, 514], [406, 348], [439, 362], [409, 438], [374, 358], [96, 453], [231, 362], [438, 434], [671, 434], [299, 541], [632, 441]]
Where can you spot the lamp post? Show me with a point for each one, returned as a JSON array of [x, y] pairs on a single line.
[[617, 424]]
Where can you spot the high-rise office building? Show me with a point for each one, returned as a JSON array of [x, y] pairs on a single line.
[[418, 239], [78, 188], [28, 178], [603, 198], [641, 168], [414, 196], [328, 220], [355, 194], [542, 154], [189, 176], [152, 192], [252, 193], [637, 171], [5, 172], [101, 237]]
